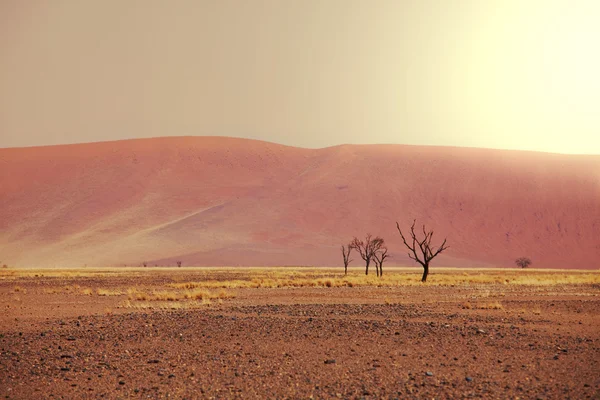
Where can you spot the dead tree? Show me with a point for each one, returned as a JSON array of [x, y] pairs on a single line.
[[424, 248], [379, 257], [346, 254], [523, 262], [367, 248], [179, 263]]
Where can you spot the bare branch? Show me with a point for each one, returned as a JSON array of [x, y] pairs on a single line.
[[441, 248], [367, 248], [381, 255], [346, 255], [425, 253], [404, 239]]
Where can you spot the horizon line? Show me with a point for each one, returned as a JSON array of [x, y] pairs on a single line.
[[291, 146]]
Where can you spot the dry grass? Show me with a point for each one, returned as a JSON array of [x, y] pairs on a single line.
[[204, 295], [193, 283], [164, 305], [164, 296], [323, 278], [136, 294], [314, 277], [109, 292]]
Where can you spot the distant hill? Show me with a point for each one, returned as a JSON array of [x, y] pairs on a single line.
[[226, 201]]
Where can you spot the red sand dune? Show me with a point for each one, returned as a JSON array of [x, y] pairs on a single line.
[[225, 201]]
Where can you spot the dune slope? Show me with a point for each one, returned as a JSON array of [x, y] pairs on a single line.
[[225, 201]]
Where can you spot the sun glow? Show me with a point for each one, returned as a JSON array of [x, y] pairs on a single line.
[[533, 74], [511, 74]]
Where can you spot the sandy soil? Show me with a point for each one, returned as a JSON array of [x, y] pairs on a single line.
[[234, 202], [482, 341]]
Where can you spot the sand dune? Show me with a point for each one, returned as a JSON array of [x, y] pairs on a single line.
[[225, 201]]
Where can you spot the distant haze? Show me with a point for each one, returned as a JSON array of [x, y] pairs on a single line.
[[500, 74], [221, 201]]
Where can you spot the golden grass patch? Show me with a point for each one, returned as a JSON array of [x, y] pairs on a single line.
[[109, 292], [136, 294], [203, 295], [163, 305], [444, 277], [180, 281]]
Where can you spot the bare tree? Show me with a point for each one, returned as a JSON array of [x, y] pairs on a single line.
[[145, 264], [379, 257], [346, 254], [424, 247], [367, 248], [179, 263], [523, 262]]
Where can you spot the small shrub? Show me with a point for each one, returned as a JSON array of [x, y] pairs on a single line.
[[523, 262], [197, 294], [135, 294]]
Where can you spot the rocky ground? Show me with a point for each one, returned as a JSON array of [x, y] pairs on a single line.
[[490, 341]]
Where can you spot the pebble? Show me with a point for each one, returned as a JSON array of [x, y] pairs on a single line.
[[429, 373], [469, 379], [330, 361]]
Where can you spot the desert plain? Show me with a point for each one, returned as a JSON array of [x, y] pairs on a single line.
[[299, 333], [127, 271]]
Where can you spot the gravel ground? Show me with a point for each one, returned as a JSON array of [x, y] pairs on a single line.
[[308, 343]]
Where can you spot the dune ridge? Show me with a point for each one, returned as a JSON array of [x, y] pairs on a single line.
[[227, 201]]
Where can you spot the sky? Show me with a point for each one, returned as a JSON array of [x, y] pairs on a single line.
[[510, 74]]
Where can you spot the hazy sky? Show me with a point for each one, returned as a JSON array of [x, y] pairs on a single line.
[[520, 74]]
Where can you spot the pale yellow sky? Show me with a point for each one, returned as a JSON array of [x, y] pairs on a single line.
[[515, 74]]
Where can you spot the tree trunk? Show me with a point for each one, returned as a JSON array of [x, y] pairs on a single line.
[[377, 268], [425, 273], [346, 269], [367, 268], [380, 270]]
